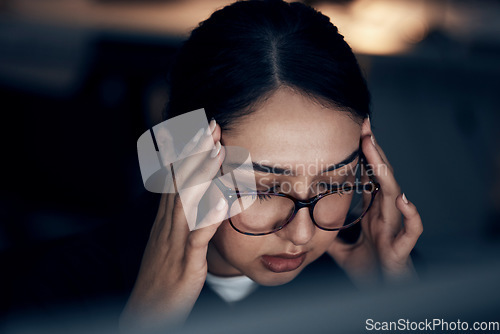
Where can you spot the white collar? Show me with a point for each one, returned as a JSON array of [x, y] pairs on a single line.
[[231, 289]]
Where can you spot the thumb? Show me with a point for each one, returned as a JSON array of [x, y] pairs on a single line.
[[197, 242]]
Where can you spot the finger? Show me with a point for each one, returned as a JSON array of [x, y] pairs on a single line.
[[381, 152], [157, 227], [198, 181], [390, 189], [190, 165], [217, 133], [191, 145], [214, 216], [186, 202], [196, 165], [169, 208], [197, 243], [163, 180], [366, 129], [162, 226], [162, 206], [199, 143], [380, 169], [165, 143], [195, 187], [367, 196], [412, 226]]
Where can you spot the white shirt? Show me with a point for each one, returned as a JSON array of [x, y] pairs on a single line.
[[231, 289]]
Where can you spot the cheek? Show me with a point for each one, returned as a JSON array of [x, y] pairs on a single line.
[[322, 241], [238, 249]]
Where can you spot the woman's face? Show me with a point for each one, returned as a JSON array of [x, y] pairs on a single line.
[[291, 132]]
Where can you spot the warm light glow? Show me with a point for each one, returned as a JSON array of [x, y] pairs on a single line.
[[379, 26], [172, 17]]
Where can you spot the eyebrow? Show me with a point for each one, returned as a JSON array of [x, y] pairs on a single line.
[[284, 171]]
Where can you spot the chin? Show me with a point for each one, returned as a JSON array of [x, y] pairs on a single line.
[[274, 279]]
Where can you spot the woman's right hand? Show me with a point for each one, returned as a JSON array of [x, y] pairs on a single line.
[[174, 266]]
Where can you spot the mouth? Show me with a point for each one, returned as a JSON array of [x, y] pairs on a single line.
[[280, 263]]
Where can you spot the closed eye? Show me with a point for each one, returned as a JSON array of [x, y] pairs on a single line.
[[263, 197]]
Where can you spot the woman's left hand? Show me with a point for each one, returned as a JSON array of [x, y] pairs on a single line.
[[385, 244]]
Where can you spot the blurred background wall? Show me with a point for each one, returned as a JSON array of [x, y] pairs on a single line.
[[80, 80]]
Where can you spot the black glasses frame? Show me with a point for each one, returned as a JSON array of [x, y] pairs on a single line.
[[232, 195]]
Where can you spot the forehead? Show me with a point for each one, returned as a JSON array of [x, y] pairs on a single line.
[[291, 131]]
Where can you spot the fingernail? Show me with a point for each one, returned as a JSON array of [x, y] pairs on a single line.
[[373, 140], [405, 200], [211, 127], [216, 150], [369, 121], [197, 135], [220, 204]]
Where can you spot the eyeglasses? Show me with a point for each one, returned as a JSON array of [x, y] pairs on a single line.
[[259, 213]]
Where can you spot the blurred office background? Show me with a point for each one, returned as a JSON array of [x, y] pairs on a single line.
[[81, 80]]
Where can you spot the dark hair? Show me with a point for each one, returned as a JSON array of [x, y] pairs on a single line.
[[244, 52]]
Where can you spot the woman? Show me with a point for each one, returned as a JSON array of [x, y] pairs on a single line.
[[278, 80]]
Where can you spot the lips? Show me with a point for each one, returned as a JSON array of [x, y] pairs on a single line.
[[280, 263]]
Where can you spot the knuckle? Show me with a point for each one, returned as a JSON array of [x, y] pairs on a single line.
[[420, 226], [205, 167], [420, 229], [417, 230], [193, 241], [417, 226]]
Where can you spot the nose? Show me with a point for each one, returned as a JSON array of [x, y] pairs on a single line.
[[300, 230]]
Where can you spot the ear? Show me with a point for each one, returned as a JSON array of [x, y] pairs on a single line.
[[366, 127]]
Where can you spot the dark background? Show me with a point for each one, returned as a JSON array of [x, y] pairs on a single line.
[[76, 94]]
